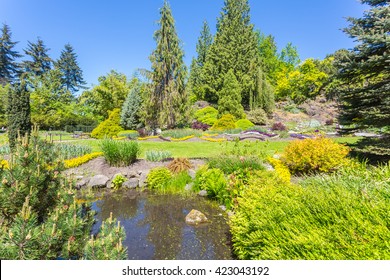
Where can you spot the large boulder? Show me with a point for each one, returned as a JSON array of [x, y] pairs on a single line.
[[195, 218], [98, 181]]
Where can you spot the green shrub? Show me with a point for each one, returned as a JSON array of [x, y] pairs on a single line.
[[343, 216], [157, 155], [207, 115], [158, 178], [229, 164], [177, 183], [120, 153], [108, 128], [39, 216], [179, 165], [118, 181], [215, 183], [258, 116], [244, 124], [225, 122], [314, 155], [132, 134]]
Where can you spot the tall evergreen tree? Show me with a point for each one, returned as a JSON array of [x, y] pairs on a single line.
[[131, 109], [195, 81], [72, 75], [270, 62], [18, 112], [40, 61], [365, 70], [235, 47], [9, 68], [229, 101], [167, 104]]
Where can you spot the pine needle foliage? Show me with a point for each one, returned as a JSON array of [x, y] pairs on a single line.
[[167, 103]]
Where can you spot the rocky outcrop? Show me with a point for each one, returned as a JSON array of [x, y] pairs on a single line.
[[195, 218], [98, 181]]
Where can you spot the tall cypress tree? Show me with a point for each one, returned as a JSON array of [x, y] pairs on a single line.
[[230, 97], [195, 81], [72, 75], [18, 112], [167, 104], [9, 68], [40, 61], [365, 96], [235, 47]]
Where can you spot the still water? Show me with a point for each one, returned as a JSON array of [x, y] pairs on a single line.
[[156, 229]]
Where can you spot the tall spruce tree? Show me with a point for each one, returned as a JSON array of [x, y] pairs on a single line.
[[195, 81], [40, 61], [72, 75], [131, 109], [167, 104], [9, 68], [18, 112], [365, 70], [235, 47]]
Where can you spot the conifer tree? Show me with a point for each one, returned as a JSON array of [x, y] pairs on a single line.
[[365, 96], [131, 109], [230, 97], [195, 81], [72, 75], [9, 68], [235, 47], [40, 61], [167, 104], [18, 112]]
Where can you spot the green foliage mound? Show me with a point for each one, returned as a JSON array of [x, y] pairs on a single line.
[[120, 153], [224, 123], [108, 128], [244, 124], [131, 134], [258, 116], [314, 155], [158, 178], [230, 164], [207, 115], [343, 216]]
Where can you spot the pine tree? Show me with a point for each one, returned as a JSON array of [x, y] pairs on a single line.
[[195, 81], [40, 61], [130, 114], [235, 47], [18, 112], [72, 75], [230, 97], [9, 69], [365, 96], [265, 98], [167, 104]]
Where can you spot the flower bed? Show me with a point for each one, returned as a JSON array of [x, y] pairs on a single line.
[[147, 138], [213, 139], [182, 139], [74, 162]]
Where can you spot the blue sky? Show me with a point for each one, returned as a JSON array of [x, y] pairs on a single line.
[[118, 34]]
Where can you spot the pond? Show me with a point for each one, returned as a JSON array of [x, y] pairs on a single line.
[[156, 229]]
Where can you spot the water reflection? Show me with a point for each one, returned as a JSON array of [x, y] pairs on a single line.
[[156, 229]]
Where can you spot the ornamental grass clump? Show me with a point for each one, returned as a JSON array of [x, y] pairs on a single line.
[[68, 151], [179, 165], [120, 153], [315, 156], [154, 155]]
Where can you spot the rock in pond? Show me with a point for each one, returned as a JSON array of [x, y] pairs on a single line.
[[81, 183], [202, 193], [131, 183], [98, 181], [195, 218]]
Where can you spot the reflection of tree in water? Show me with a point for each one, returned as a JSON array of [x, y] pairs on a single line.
[[173, 238], [123, 205], [165, 217]]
